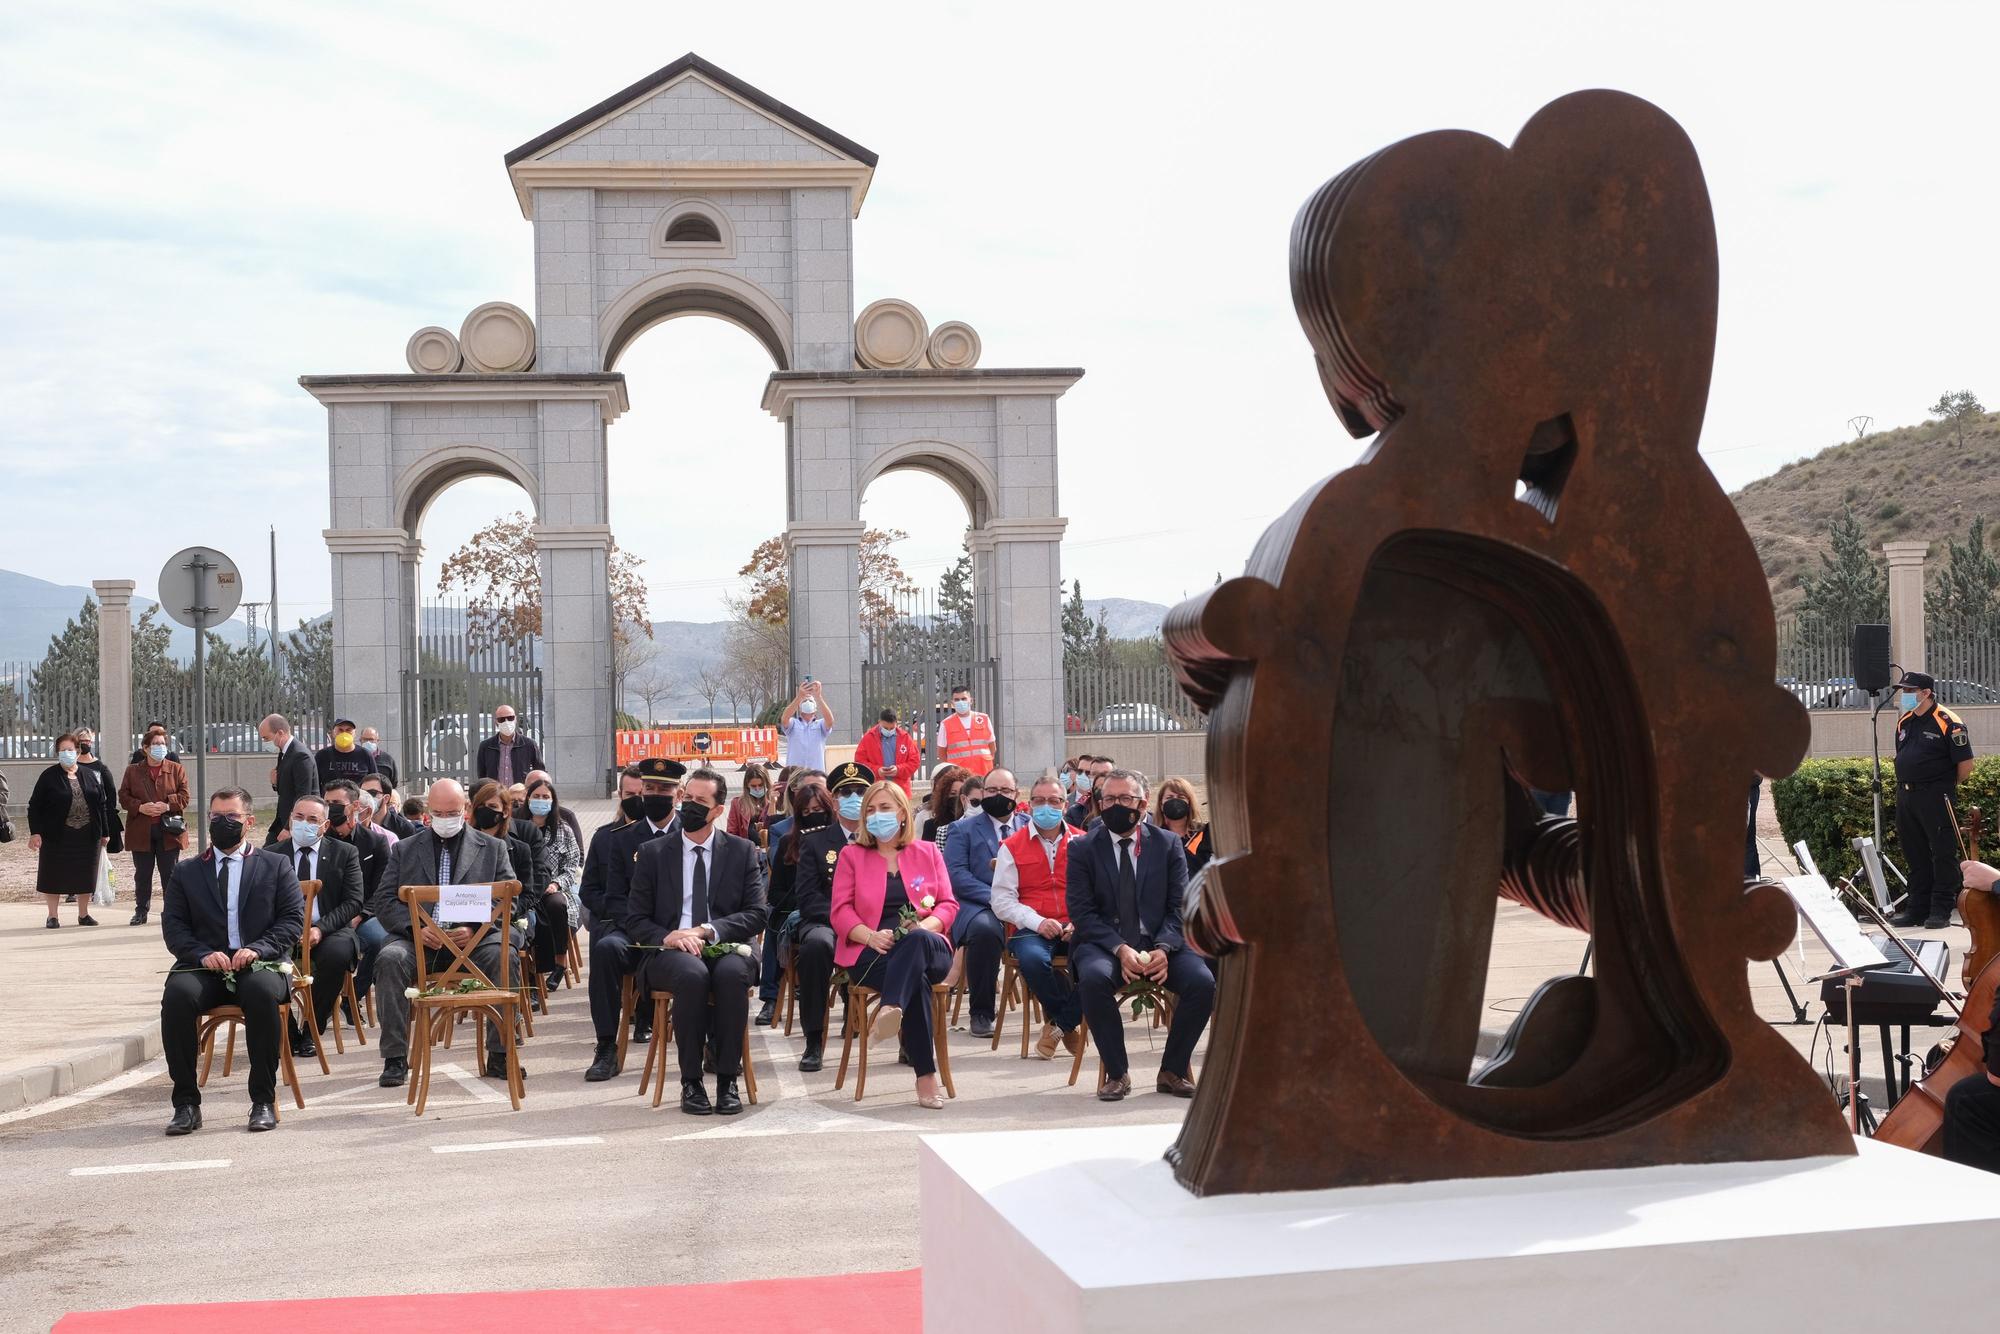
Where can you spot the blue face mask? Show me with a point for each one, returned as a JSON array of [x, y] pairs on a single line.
[[540, 805], [888, 729], [885, 825], [156, 753], [66, 758], [1046, 817], [850, 806], [305, 833], [1908, 700], [368, 746]]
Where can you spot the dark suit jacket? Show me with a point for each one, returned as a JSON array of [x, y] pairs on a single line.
[[1093, 889], [591, 887], [614, 887], [527, 755], [812, 885], [735, 890], [385, 764], [481, 860], [270, 912], [338, 868], [372, 848], [298, 777]]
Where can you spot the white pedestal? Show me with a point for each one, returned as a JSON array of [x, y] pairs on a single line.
[[1074, 1230]]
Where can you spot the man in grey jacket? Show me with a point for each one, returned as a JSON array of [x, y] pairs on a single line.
[[445, 851]]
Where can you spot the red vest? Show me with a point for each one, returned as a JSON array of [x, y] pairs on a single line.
[[1042, 889]]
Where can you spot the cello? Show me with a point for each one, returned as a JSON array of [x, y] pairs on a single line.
[[1917, 1121]]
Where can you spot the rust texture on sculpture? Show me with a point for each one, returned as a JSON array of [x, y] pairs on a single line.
[[1530, 580]]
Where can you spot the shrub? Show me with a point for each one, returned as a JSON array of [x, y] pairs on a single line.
[[1828, 803]]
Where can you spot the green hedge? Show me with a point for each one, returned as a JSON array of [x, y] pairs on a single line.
[[1828, 803]]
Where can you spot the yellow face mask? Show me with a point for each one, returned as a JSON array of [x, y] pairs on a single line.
[[343, 741]]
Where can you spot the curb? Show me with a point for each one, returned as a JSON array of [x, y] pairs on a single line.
[[39, 1083]]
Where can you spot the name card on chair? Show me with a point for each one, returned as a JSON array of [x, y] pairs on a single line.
[[465, 903]]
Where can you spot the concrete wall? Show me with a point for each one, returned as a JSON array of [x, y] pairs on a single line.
[[1155, 754], [1837, 732]]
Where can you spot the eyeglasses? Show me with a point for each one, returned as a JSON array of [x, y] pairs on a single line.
[[1055, 802], [503, 717], [1125, 799], [1003, 792]]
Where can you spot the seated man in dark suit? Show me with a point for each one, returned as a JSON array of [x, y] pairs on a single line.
[[818, 852], [700, 886], [234, 906], [337, 867], [445, 851], [606, 883], [1126, 884]]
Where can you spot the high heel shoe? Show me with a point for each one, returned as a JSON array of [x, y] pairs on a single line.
[[888, 1023]]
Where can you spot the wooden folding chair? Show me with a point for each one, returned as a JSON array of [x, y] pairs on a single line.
[[863, 1004], [573, 960], [1163, 1013], [788, 989], [501, 1002], [300, 995], [1014, 991], [663, 1032]]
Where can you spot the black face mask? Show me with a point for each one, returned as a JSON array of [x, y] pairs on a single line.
[[632, 807], [657, 807], [1120, 819], [997, 807], [225, 831], [1175, 808], [486, 817], [336, 815], [817, 820], [694, 816]]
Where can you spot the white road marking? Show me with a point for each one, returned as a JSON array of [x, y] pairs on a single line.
[[558, 1143], [117, 1083], [783, 1057], [470, 1082], [119, 1169]]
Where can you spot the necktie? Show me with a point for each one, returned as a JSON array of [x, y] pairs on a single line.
[[444, 863], [228, 903], [305, 874], [700, 886], [1128, 894]]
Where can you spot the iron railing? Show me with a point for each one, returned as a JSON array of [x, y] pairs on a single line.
[[1964, 656], [1127, 699], [1815, 663]]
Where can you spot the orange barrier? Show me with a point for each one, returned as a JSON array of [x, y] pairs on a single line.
[[735, 744]]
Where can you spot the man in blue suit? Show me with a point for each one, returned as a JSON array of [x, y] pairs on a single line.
[[1126, 883], [970, 846]]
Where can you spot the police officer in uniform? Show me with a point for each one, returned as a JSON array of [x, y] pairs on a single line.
[[819, 851], [1933, 756], [612, 953]]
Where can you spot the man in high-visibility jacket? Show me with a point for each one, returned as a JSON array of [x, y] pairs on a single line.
[[965, 738]]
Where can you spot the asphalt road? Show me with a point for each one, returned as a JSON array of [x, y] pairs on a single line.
[[587, 1186]]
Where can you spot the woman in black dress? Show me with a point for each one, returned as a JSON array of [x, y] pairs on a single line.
[[68, 825]]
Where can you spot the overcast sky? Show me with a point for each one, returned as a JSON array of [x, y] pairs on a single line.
[[200, 202]]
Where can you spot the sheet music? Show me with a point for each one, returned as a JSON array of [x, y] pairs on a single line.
[[1832, 923]]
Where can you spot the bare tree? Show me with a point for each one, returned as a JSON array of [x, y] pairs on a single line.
[[708, 683], [736, 690], [653, 686], [759, 652]]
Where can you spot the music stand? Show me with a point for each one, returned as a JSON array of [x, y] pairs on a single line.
[[1854, 954]]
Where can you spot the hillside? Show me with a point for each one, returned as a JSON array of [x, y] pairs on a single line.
[[1908, 483]]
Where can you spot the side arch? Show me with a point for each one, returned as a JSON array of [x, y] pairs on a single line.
[[420, 483], [694, 292], [958, 467]]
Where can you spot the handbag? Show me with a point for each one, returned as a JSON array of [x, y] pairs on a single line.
[[6, 828]]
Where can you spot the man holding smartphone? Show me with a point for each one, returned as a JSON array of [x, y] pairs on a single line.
[[806, 722]]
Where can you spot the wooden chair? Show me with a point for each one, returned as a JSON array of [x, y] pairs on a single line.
[[499, 1001], [863, 1004], [573, 960], [1014, 991], [1162, 1014], [663, 1032], [301, 996]]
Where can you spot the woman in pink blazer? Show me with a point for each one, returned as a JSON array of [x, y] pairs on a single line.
[[892, 914]]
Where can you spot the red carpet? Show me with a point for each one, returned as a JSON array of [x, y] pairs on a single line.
[[838, 1304]]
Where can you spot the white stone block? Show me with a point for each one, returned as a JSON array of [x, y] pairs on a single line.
[[1064, 1231]]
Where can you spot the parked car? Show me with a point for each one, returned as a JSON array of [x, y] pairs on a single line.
[[27, 747], [1135, 718], [1966, 692], [234, 739]]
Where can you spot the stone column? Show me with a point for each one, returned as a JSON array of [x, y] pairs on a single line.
[[374, 627], [1027, 622], [565, 287], [825, 563], [114, 669], [1906, 603], [575, 727]]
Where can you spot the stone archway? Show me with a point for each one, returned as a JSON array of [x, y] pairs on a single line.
[[692, 192]]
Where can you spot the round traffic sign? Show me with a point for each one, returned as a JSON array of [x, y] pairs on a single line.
[[702, 741], [200, 587]]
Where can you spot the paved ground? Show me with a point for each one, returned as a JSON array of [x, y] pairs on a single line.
[[97, 1209]]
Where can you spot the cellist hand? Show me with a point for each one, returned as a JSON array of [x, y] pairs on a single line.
[[1978, 875]]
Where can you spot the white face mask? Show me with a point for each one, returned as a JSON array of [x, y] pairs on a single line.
[[368, 746], [961, 707], [808, 707], [447, 826], [368, 800], [507, 726]]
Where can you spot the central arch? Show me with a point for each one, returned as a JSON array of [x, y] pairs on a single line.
[[423, 481], [666, 296], [958, 467]]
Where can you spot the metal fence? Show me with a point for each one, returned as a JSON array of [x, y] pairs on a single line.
[[233, 714], [1815, 663], [32, 715], [1964, 656], [467, 664], [1127, 699]]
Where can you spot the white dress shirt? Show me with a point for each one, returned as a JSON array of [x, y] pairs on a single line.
[[688, 849], [1006, 902], [233, 859]]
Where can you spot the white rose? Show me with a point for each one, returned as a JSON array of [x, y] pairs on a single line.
[[409, 993], [743, 950], [1145, 956], [306, 980], [286, 968], [930, 901]]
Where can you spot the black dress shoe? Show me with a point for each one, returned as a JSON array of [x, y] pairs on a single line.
[[982, 1025], [186, 1121], [263, 1116], [1906, 918], [395, 1071], [86, 921], [767, 1014], [1111, 1090], [1937, 923], [52, 924], [694, 1098], [303, 1047], [138, 919], [815, 1055], [603, 1064], [727, 1101], [496, 1066], [642, 1034]]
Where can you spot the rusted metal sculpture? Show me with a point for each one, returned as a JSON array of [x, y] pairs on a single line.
[[1530, 579]]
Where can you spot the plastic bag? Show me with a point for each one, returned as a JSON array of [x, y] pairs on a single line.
[[106, 892]]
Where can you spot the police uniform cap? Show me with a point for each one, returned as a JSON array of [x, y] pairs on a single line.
[[663, 771], [1919, 681], [850, 775]]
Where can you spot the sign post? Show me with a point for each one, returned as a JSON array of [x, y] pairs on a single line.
[[200, 587]]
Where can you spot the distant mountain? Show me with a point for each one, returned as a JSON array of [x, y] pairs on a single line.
[[33, 611], [1125, 618]]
